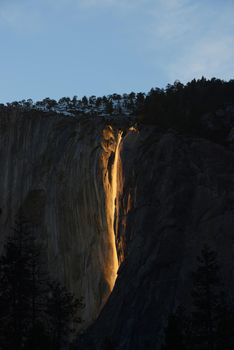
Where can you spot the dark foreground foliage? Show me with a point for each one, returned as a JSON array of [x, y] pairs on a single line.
[[210, 324], [35, 312]]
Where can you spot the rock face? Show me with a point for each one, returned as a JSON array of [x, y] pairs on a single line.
[[59, 172], [178, 193], [165, 195]]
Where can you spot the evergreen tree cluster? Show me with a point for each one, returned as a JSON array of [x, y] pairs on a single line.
[[114, 104], [36, 312], [177, 106], [209, 324], [182, 106]]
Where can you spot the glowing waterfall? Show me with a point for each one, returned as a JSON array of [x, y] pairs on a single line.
[[114, 192], [111, 165], [115, 170]]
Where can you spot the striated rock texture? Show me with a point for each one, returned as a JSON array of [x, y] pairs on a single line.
[[178, 193], [59, 172], [164, 194]]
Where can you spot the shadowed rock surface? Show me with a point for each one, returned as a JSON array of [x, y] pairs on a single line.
[[58, 171], [175, 193], [180, 195]]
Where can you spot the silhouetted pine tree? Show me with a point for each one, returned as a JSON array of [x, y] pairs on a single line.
[[109, 107], [211, 322], [212, 319], [176, 331], [38, 338], [62, 314], [34, 312], [17, 297], [109, 344], [225, 326], [206, 300]]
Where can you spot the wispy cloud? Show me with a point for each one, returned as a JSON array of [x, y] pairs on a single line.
[[192, 38], [28, 14], [115, 3], [19, 15], [138, 43], [122, 7], [210, 57], [172, 20]]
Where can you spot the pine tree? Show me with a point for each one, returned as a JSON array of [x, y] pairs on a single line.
[[84, 101], [176, 331], [109, 344], [62, 314], [225, 326], [34, 312], [15, 288], [208, 306], [109, 107]]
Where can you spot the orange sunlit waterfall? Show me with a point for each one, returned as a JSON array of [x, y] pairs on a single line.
[[112, 186], [115, 174], [116, 168]]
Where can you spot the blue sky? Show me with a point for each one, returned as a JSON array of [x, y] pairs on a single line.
[[56, 48]]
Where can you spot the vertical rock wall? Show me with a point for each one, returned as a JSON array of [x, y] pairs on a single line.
[[59, 171], [178, 194]]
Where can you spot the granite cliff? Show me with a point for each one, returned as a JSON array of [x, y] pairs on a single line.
[[61, 173], [123, 214]]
